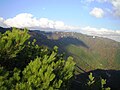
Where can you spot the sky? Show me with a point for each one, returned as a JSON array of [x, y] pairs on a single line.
[[92, 17]]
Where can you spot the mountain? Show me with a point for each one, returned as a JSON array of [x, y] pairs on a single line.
[[89, 52]]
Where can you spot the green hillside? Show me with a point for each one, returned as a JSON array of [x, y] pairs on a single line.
[[89, 52]]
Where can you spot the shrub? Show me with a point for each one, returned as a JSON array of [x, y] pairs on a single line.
[[27, 66]]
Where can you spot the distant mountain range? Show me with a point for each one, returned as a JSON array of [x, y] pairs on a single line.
[[89, 52]]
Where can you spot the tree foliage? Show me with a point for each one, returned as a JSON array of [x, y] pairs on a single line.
[[26, 66], [94, 84]]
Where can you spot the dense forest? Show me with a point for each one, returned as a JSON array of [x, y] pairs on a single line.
[[25, 65]]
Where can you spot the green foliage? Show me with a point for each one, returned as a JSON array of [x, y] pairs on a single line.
[[11, 43], [47, 72], [27, 66], [3, 78], [98, 84]]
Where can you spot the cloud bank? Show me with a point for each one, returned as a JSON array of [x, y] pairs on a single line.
[[29, 21], [102, 32]]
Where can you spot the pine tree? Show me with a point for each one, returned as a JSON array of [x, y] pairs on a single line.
[[27, 66]]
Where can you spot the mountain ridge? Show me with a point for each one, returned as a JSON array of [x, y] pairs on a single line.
[[89, 52]]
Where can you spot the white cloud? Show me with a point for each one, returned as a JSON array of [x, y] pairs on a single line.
[[97, 12], [27, 20], [22, 20], [115, 5]]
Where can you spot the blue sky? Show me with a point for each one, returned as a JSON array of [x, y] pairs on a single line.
[[96, 14], [69, 11]]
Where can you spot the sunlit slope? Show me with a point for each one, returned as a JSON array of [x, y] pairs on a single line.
[[89, 52]]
